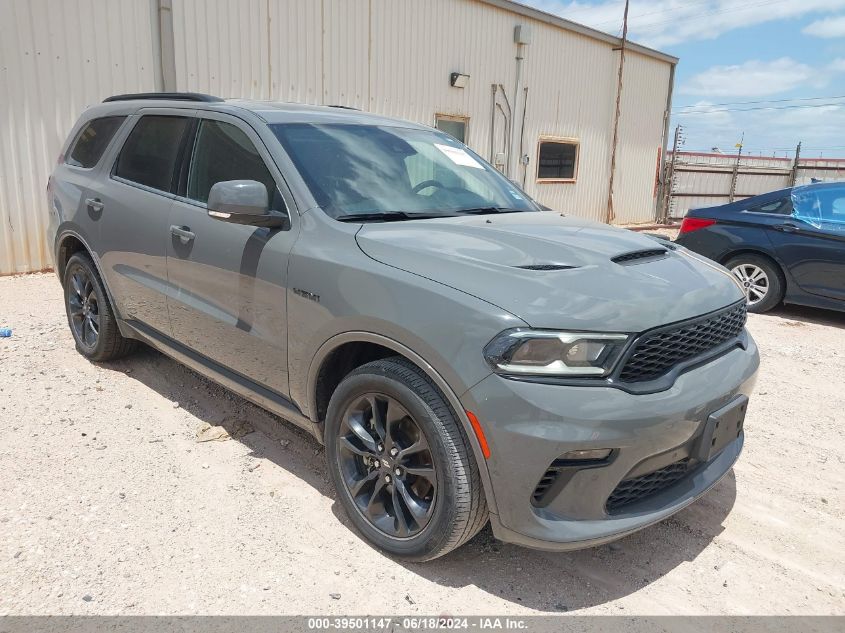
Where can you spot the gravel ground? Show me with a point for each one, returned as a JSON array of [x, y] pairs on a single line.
[[110, 505]]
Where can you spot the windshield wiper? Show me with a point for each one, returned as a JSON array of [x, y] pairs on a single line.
[[489, 210], [390, 216]]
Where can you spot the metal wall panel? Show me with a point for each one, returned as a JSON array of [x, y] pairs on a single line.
[[56, 58], [222, 47], [394, 57], [391, 57]]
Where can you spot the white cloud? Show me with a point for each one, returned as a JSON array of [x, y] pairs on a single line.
[[753, 78], [827, 28], [664, 23], [820, 130], [837, 65]]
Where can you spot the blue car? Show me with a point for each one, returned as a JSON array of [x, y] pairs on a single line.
[[784, 246]]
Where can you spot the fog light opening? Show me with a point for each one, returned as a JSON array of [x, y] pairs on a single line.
[[591, 455]]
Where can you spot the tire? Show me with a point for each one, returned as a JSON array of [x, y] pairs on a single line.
[[416, 414], [86, 300], [757, 272]]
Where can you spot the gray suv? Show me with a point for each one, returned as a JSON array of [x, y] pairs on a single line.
[[464, 355]]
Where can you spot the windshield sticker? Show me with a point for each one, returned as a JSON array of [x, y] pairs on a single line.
[[459, 156]]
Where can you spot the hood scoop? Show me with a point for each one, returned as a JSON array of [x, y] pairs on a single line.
[[636, 256], [546, 267]]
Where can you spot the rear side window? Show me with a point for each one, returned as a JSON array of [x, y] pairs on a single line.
[[224, 152], [93, 140], [150, 154], [779, 207]]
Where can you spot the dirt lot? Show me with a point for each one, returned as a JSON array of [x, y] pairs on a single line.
[[108, 504]]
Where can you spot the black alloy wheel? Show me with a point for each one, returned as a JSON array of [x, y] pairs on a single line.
[[83, 308], [89, 313], [401, 461], [387, 465]]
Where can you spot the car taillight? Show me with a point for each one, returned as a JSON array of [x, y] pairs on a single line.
[[693, 224]]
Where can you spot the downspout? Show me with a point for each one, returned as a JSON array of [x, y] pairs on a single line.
[[494, 89], [166, 48], [659, 214], [522, 136], [511, 169]]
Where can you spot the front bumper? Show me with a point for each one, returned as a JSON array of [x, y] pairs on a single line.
[[529, 425]]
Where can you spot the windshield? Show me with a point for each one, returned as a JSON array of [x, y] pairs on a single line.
[[372, 170], [822, 206]]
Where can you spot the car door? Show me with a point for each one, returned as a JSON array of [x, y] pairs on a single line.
[[134, 210], [811, 243], [230, 280]]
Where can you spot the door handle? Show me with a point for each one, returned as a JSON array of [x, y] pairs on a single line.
[[183, 233], [786, 228], [95, 204]]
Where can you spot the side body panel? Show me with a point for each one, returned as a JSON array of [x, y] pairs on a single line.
[[335, 288], [814, 257], [229, 284], [133, 231]]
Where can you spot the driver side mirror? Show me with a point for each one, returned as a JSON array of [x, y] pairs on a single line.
[[243, 202]]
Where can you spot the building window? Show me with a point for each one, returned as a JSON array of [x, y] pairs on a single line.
[[557, 160], [455, 126]]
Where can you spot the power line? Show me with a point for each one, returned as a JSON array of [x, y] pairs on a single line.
[[731, 103], [789, 107], [720, 11], [668, 10]]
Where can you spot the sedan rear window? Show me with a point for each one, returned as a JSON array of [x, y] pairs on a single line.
[[92, 141]]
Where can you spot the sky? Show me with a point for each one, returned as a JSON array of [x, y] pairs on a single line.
[[771, 69]]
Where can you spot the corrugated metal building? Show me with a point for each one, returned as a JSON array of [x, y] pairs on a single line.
[[546, 120]]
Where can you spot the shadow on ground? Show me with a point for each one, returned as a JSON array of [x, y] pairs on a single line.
[[544, 581], [817, 316]]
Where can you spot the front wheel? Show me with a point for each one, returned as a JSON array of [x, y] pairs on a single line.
[[400, 462], [761, 279]]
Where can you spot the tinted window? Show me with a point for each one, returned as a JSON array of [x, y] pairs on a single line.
[[150, 153], [224, 152], [780, 207], [93, 141], [557, 160]]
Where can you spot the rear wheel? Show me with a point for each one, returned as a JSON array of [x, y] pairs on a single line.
[[89, 313], [761, 279], [400, 462]]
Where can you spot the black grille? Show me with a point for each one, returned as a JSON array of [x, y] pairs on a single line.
[[639, 488], [657, 352], [543, 486], [637, 255]]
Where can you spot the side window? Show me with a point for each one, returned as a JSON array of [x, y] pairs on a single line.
[[150, 154], [92, 141], [224, 152], [557, 160], [779, 207], [833, 214]]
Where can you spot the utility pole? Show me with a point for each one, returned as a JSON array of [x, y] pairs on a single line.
[[611, 215], [668, 186], [736, 168], [794, 176]]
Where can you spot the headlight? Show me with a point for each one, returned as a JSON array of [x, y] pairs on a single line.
[[554, 353]]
